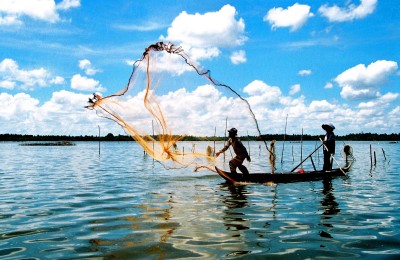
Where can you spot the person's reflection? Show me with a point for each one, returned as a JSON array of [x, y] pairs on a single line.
[[234, 219], [328, 203]]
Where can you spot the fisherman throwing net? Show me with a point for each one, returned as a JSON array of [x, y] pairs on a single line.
[[169, 99]]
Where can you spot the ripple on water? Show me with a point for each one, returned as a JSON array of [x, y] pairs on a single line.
[[73, 203]]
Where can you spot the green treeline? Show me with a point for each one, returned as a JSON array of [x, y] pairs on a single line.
[[267, 137]]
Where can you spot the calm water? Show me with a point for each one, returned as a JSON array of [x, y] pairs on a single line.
[[71, 203]]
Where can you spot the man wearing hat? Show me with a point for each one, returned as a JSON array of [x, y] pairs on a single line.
[[329, 146], [240, 151]]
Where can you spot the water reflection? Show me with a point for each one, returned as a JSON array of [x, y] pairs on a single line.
[[233, 219], [137, 241], [328, 202]]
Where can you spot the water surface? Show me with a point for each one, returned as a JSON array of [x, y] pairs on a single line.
[[71, 203]]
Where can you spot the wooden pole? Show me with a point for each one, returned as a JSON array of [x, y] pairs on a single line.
[[284, 139], [292, 154], [333, 158], [384, 155], [301, 145], [99, 138], [248, 142], [370, 154], [215, 136], [306, 158]]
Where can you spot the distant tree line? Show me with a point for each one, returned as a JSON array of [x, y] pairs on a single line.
[[267, 137]]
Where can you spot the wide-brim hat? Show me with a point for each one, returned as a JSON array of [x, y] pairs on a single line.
[[233, 131], [328, 126]]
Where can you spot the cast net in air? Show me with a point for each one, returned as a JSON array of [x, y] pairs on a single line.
[[170, 101]]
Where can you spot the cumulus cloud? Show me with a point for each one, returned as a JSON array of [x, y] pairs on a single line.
[[86, 66], [68, 4], [205, 105], [349, 12], [328, 85], [14, 106], [58, 80], [12, 11], [381, 102], [204, 34], [294, 89], [238, 57], [63, 113], [321, 106], [83, 83], [262, 94], [304, 72], [294, 16], [11, 76], [363, 82], [212, 29]]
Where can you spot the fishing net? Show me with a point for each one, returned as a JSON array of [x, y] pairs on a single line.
[[170, 103]]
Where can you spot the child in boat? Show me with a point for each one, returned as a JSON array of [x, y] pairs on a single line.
[[240, 151], [329, 146]]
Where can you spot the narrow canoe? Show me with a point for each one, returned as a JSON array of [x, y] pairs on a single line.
[[283, 177]]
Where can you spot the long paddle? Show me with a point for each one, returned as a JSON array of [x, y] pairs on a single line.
[[306, 158], [333, 158]]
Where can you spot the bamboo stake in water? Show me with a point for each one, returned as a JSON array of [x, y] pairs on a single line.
[[370, 154], [99, 139], [301, 145], [215, 134], [297, 166], [248, 142], [284, 139]]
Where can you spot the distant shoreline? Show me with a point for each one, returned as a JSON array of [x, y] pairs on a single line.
[[267, 137]]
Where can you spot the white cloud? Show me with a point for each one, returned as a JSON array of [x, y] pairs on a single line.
[[12, 11], [238, 57], [13, 107], [350, 12], [12, 76], [304, 72], [203, 35], [212, 29], [68, 4], [7, 84], [361, 82], [321, 106], [63, 113], [202, 109], [83, 83], [380, 103], [294, 16], [86, 66], [58, 80], [328, 85], [148, 26], [294, 89], [262, 94], [9, 20]]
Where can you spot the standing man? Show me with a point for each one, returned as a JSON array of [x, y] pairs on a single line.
[[240, 151], [329, 146]]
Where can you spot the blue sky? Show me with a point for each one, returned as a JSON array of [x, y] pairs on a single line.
[[315, 61]]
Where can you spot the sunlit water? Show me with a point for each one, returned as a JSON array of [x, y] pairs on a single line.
[[71, 203]]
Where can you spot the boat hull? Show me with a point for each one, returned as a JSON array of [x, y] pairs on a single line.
[[282, 177]]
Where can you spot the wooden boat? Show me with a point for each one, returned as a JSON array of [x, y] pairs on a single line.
[[283, 177]]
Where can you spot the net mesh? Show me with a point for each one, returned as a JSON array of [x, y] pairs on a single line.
[[168, 101]]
